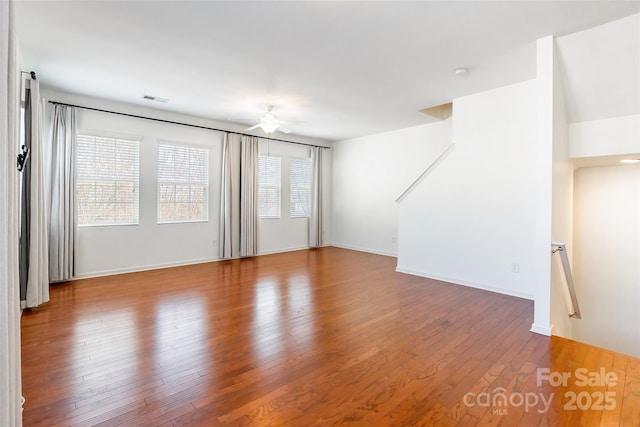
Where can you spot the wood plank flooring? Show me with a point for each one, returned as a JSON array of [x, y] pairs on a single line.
[[308, 338]]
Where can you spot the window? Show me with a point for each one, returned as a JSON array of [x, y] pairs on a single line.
[[183, 184], [107, 180], [269, 186], [300, 180]]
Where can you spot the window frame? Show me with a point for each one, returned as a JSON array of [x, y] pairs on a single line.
[[291, 187], [279, 187], [206, 182], [95, 135]]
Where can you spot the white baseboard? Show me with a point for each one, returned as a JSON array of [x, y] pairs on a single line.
[[279, 251], [171, 264], [143, 268], [542, 329], [455, 281], [361, 249]]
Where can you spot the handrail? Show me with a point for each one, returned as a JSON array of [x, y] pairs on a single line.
[[424, 174], [561, 247]]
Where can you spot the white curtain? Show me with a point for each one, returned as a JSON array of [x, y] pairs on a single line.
[[239, 197], [10, 382], [249, 196], [315, 214], [229, 239], [37, 291], [61, 185]]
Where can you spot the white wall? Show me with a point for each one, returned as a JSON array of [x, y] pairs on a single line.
[[543, 173], [113, 249], [606, 257], [104, 250], [472, 221], [370, 173], [605, 137], [561, 206], [601, 84]]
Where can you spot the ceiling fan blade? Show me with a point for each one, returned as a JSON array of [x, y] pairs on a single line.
[[253, 127], [239, 119]]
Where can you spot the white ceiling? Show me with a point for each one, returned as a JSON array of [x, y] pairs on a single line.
[[345, 69]]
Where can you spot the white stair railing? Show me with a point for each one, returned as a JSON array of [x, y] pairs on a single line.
[[427, 171], [562, 249]]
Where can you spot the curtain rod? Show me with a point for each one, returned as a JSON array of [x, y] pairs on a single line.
[[183, 124]]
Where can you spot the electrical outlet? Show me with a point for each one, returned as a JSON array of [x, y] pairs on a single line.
[[393, 239], [215, 242], [515, 267]]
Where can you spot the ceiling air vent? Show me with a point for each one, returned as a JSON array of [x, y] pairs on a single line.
[[155, 98]]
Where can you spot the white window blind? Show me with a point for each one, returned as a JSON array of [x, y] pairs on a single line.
[[107, 180], [300, 182], [183, 184], [269, 186]]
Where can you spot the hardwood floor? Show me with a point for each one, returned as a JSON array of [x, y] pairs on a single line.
[[307, 338]]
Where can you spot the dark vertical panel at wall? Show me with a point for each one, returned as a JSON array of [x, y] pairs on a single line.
[[25, 226]]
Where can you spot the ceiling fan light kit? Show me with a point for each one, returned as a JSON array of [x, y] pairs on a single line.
[[269, 123], [269, 128]]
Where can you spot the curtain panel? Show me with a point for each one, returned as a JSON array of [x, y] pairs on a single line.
[[239, 197], [61, 188], [315, 213], [34, 242], [229, 207], [248, 196]]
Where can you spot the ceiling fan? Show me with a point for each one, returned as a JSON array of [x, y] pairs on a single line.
[[269, 123]]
